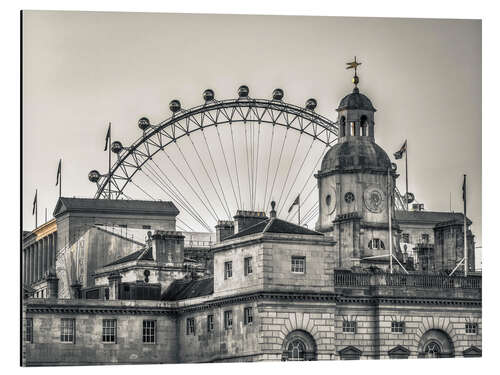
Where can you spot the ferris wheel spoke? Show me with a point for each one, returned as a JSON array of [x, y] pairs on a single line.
[[209, 178], [277, 167], [213, 212], [257, 166], [178, 196], [227, 167], [217, 175], [180, 204], [268, 164], [187, 183], [297, 175], [235, 163], [289, 169]]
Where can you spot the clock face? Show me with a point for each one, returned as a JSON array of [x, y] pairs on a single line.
[[374, 199]]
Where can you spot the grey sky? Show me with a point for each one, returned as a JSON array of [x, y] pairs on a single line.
[[84, 69]]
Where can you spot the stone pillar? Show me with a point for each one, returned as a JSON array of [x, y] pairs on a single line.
[[52, 285], [55, 249], [24, 266], [30, 264], [52, 251], [46, 257], [76, 287], [32, 261], [114, 280], [37, 262]]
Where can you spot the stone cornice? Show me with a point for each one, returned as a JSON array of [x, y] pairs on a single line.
[[274, 238], [381, 300], [46, 308]]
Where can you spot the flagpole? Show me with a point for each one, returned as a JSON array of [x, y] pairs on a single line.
[[60, 179], [466, 263], [406, 167], [389, 201], [36, 209], [109, 163]]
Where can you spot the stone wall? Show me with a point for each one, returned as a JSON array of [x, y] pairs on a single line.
[[88, 348], [374, 335]]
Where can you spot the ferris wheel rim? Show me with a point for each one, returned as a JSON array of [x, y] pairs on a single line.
[[315, 119]]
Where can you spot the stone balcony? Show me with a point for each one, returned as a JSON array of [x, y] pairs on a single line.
[[419, 285]]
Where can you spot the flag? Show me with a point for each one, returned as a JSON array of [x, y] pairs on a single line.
[[108, 137], [402, 150], [58, 173], [35, 202], [296, 201]]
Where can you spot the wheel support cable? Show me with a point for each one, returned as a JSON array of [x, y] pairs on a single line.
[[289, 169]]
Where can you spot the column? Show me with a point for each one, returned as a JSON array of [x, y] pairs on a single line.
[[30, 265], [51, 249], [33, 258], [46, 255], [38, 260], [24, 266]]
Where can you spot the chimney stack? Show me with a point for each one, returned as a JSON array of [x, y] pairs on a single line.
[[223, 229], [168, 247], [245, 219]]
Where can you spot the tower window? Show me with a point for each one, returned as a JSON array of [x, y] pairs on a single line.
[[376, 244], [353, 128], [342, 126], [364, 126]]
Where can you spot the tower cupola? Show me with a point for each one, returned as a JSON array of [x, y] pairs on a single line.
[[355, 112]]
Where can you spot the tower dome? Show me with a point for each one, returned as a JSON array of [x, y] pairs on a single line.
[[356, 100], [356, 153]]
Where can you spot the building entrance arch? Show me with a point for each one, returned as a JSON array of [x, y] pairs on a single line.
[[299, 345]]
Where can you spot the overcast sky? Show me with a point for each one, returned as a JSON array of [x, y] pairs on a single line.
[[84, 69]]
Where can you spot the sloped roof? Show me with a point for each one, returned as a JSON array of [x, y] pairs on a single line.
[[122, 205], [183, 289], [274, 225], [143, 254], [434, 217]]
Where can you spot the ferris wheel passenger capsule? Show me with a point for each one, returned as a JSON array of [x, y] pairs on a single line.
[[175, 105], [278, 94], [243, 91], [208, 95], [94, 176], [116, 147], [311, 104], [143, 123]]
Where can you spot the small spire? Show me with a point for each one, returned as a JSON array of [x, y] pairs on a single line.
[[354, 64]]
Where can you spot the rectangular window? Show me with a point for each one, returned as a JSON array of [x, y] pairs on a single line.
[[349, 326], [397, 327], [210, 323], [68, 330], [248, 266], [425, 237], [28, 330], [109, 330], [471, 328], [190, 326], [149, 331], [228, 270], [228, 319], [406, 237], [248, 315], [299, 264]]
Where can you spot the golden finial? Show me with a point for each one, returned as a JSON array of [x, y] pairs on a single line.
[[354, 64]]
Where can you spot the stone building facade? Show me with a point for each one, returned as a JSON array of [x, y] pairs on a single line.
[[267, 289]]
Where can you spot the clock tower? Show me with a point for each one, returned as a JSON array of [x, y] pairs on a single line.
[[355, 184]]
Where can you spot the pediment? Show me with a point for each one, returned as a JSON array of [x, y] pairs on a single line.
[[399, 350], [350, 351], [473, 351]]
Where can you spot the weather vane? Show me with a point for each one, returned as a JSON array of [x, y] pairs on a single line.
[[354, 64]]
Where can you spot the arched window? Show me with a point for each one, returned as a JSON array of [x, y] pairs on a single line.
[[353, 128], [376, 244], [296, 350], [364, 126], [342, 126]]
